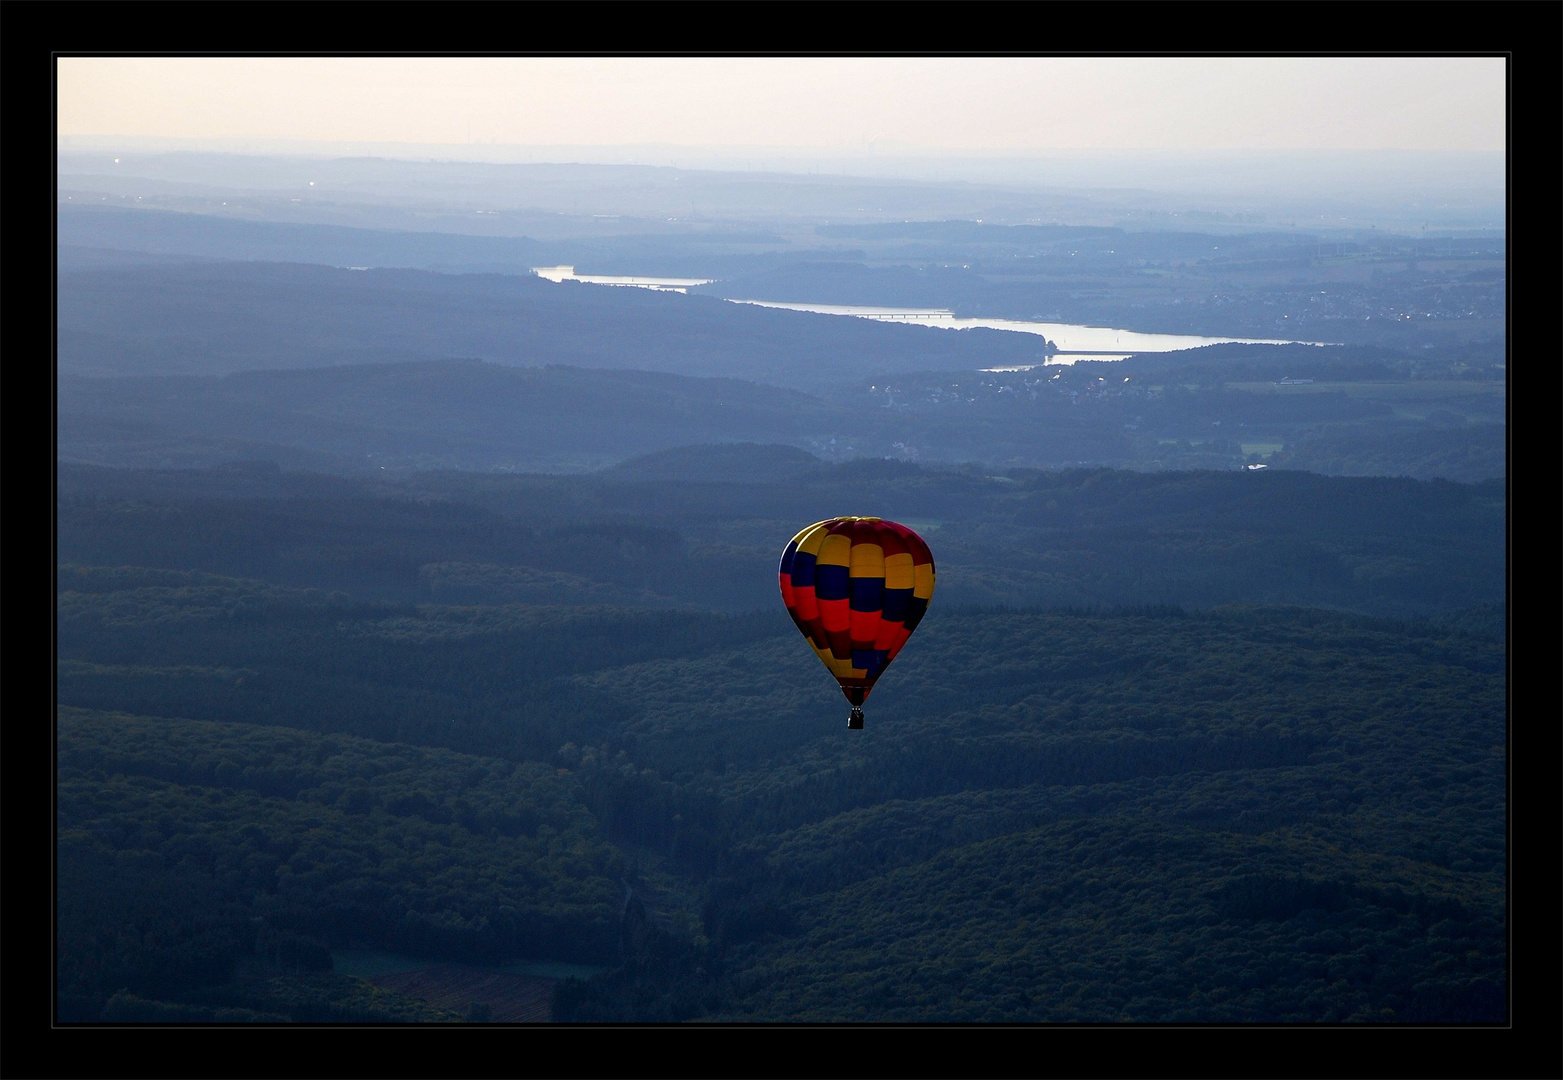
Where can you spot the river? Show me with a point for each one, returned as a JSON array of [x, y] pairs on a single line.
[[1071, 342], [658, 284]]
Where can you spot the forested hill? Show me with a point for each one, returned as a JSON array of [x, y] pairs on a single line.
[[1247, 815], [1356, 412], [1127, 769], [452, 414], [634, 534], [212, 318], [567, 380]]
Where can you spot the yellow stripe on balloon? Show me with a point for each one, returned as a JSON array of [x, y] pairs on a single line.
[[898, 571], [868, 560], [843, 669], [809, 539], [835, 550]]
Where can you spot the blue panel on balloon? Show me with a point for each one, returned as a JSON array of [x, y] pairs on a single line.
[[896, 601], [868, 593], [830, 582], [802, 570], [870, 660]]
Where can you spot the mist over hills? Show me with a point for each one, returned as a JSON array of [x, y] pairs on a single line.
[[1231, 191], [1428, 402], [1364, 287], [545, 200], [1166, 413], [82, 231], [424, 414], [214, 318], [637, 191]]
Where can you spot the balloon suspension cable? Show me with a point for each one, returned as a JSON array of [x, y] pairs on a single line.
[[855, 721]]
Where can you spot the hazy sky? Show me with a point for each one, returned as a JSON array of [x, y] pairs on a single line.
[[911, 105]]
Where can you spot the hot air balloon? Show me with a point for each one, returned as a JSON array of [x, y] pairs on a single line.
[[857, 587]]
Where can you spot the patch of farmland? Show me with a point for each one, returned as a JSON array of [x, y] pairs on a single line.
[[512, 999]]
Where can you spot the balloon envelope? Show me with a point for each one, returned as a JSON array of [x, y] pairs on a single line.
[[857, 587]]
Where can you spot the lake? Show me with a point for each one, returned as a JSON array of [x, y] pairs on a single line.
[[658, 284], [1073, 342]]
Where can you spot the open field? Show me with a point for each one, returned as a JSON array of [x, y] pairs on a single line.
[[511, 999]]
